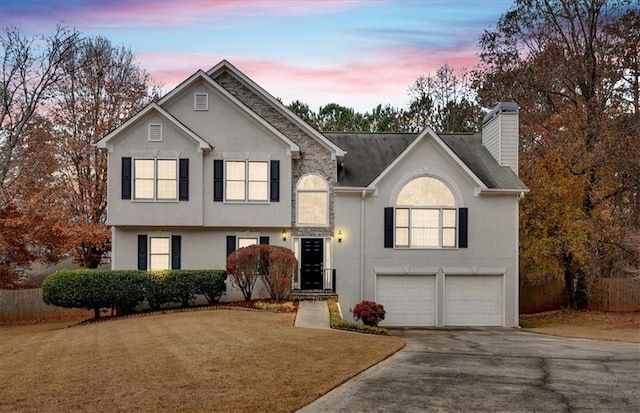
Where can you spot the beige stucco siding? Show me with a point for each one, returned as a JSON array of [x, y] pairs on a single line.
[[201, 249], [175, 144]]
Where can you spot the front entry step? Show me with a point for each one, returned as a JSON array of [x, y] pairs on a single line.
[[316, 295]]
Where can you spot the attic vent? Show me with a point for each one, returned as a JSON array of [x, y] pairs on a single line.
[[155, 132], [201, 101]]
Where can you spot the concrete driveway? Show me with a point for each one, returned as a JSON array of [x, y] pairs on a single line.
[[494, 370]]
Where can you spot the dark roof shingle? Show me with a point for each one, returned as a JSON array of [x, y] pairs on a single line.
[[368, 154]]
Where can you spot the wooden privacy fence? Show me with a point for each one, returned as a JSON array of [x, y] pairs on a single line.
[[607, 294], [23, 305], [616, 294], [539, 298]]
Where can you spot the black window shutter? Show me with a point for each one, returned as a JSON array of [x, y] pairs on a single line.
[[264, 240], [275, 182], [218, 179], [231, 244], [126, 178], [388, 227], [463, 217], [176, 248], [183, 180], [142, 252]]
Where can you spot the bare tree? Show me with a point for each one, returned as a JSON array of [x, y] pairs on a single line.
[[30, 67], [444, 101]]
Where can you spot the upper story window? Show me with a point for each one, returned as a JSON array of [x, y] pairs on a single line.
[[155, 132], [247, 181], [312, 200], [200, 101], [155, 179], [425, 215]]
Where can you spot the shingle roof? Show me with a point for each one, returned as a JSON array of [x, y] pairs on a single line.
[[470, 150], [368, 154]]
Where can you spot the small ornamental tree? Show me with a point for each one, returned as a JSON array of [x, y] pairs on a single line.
[[243, 266], [278, 268], [369, 312]]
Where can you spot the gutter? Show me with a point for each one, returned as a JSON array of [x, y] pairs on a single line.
[[362, 238]]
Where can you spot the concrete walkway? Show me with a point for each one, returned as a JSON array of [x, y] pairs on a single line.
[[312, 314]]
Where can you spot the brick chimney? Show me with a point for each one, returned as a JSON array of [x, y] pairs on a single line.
[[500, 134]]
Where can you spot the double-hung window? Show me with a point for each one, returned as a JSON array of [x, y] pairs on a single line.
[[425, 215], [155, 179], [247, 181], [159, 253]]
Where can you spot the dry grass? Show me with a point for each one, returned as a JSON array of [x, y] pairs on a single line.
[[222, 360], [586, 324]]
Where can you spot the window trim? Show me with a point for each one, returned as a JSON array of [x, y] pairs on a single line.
[[155, 179], [247, 180], [409, 227], [311, 191], [150, 252]]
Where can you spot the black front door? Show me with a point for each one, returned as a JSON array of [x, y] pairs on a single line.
[[311, 263]]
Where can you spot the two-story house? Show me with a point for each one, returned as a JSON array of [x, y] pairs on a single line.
[[425, 224]]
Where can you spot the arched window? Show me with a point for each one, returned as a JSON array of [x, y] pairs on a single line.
[[312, 201], [425, 215]]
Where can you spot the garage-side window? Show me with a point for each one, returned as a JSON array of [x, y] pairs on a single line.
[[425, 215]]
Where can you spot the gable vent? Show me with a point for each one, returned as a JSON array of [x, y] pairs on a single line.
[[201, 101], [155, 132]]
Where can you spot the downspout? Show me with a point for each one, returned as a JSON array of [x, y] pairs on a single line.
[[517, 268], [362, 238]]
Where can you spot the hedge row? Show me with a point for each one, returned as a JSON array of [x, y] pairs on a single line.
[[125, 290]]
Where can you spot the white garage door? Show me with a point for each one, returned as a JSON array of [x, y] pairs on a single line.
[[409, 300], [473, 300]]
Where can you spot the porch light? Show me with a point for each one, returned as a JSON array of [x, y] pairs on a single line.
[[284, 234], [339, 236]]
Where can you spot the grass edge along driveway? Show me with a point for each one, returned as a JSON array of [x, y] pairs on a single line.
[[222, 360]]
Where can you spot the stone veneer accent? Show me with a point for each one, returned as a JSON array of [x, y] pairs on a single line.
[[314, 158]]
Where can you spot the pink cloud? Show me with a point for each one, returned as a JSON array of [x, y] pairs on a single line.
[[171, 13], [384, 77]]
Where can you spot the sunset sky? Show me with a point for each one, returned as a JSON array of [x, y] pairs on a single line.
[[357, 53]]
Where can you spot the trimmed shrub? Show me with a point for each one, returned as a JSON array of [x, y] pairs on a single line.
[[336, 322], [182, 286], [155, 289], [90, 289], [127, 290], [278, 267], [243, 269], [369, 312], [211, 284]]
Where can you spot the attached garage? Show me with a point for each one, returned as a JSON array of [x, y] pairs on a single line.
[[473, 300], [409, 300]]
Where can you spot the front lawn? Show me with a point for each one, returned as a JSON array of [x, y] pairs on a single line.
[[585, 324], [220, 360]]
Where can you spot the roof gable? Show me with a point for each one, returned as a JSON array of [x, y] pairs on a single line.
[[108, 141], [225, 66]]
